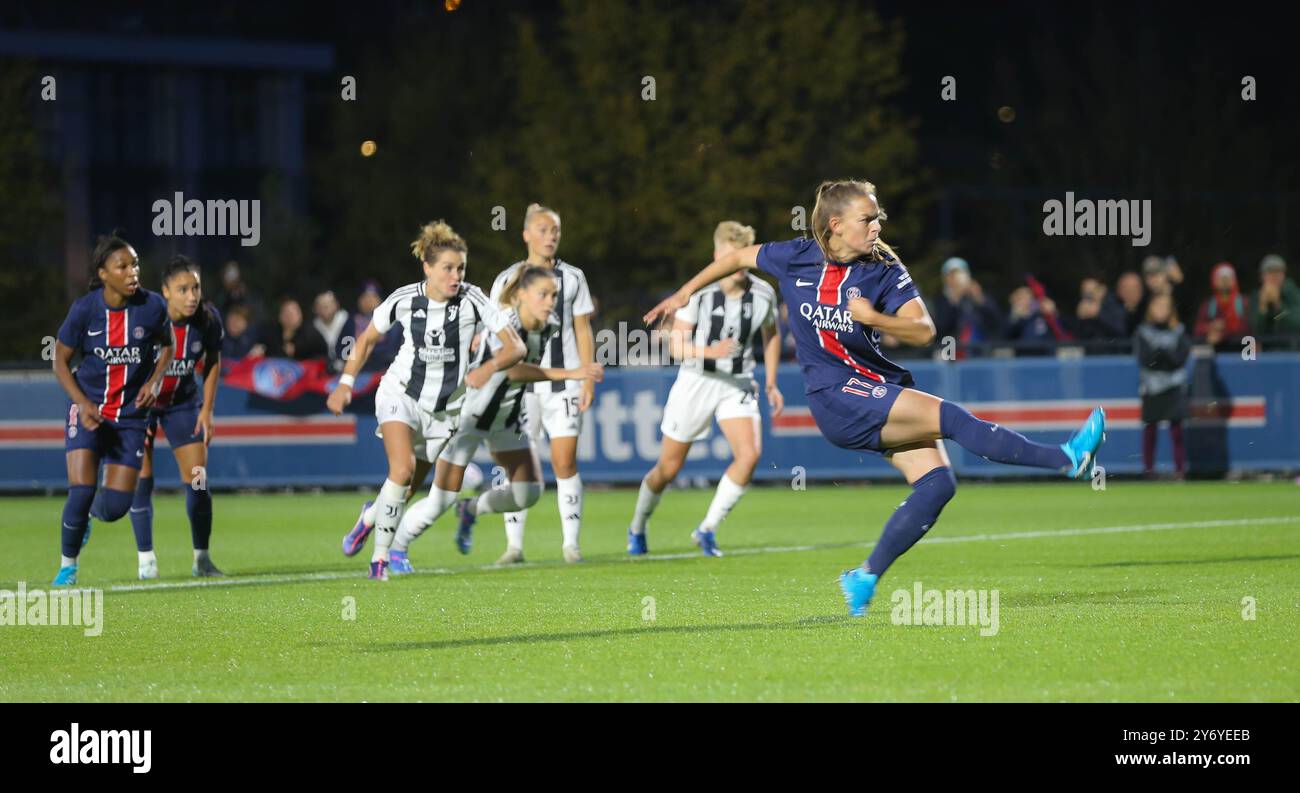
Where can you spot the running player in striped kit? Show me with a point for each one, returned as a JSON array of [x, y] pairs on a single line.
[[185, 414], [714, 336], [117, 328], [557, 407], [493, 414], [845, 287], [421, 393]]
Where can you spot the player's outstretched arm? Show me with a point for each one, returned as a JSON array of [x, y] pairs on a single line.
[[532, 373], [149, 391], [682, 348], [211, 377], [342, 393], [732, 262], [911, 325], [87, 410], [512, 352]]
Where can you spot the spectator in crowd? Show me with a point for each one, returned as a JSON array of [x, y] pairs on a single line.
[[1222, 320], [1275, 309], [1162, 348], [1162, 276], [1099, 315], [1028, 322], [383, 354], [240, 337], [335, 326], [962, 310], [290, 337], [1128, 290], [234, 292]]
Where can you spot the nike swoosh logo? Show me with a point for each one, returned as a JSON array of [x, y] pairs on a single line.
[[94, 333], [799, 282]]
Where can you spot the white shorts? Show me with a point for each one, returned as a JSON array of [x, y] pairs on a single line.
[[465, 442], [558, 412], [431, 434], [697, 399]]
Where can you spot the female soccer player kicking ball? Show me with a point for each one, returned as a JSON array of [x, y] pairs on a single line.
[[493, 413], [422, 391], [185, 414], [845, 287], [716, 380], [117, 328], [558, 406]]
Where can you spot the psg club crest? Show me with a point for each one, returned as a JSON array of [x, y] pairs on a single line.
[[196, 346], [853, 292], [137, 332], [273, 377], [879, 391]]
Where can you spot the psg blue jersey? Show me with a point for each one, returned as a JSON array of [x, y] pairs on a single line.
[[118, 348], [197, 345], [831, 345]]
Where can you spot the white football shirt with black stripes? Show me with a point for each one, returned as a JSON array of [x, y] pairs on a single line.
[[498, 404], [436, 336], [572, 300], [717, 317]]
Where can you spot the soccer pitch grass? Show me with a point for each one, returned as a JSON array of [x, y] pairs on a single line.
[[1148, 607]]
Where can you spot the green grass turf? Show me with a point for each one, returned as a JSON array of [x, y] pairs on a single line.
[[1129, 615]]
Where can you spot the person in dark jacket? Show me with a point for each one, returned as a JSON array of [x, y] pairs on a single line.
[[1162, 346], [290, 337], [1099, 316], [962, 310]]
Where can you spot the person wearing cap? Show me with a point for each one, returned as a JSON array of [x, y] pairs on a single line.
[[1222, 320], [962, 310], [1275, 308]]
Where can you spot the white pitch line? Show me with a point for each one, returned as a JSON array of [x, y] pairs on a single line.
[[1015, 535]]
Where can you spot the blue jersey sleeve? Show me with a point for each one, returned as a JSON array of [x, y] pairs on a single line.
[[900, 289], [776, 257], [216, 333], [162, 331], [73, 329]]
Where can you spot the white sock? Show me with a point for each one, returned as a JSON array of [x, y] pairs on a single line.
[[646, 501], [368, 517], [390, 503], [65, 561], [421, 516], [200, 556], [569, 493], [515, 523], [146, 556], [728, 494], [515, 529]]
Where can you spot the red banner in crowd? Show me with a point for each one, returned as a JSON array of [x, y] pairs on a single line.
[[286, 379]]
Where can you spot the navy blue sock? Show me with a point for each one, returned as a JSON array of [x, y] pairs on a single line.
[[995, 442], [913, 518], [75, 512], [198, 505], [142, 514]]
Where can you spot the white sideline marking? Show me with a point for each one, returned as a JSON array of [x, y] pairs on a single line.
[[1014, 535]]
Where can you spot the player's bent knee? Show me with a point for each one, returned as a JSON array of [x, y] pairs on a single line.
[[114, 504], [941, 482], [402, 474], [526, 493]]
